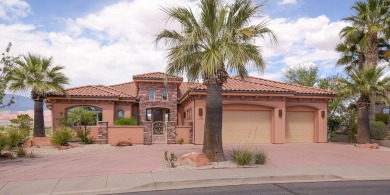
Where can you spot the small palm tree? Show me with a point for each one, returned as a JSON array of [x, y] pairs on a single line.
[[218, 40], [364, 83], [36, 73]]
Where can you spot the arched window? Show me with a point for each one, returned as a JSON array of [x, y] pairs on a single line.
[[164, 95], [96, 110], [151, 95]]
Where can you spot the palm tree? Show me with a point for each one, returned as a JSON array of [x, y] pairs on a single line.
[[36, 73], [218, 40], [351, 49], [364, 83], [372, 22]]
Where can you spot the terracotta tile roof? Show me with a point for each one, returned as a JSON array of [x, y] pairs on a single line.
[[253, 84], [292, 87], [157, 75], [101, 91]]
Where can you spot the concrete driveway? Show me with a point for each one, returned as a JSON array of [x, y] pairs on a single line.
[[141, 158]]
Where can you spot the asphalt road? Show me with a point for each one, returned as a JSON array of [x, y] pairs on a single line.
[[317, 188]]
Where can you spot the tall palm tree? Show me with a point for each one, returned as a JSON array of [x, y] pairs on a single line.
[[219, 39], [351, 49], [36, 73], [372, 21], [364, 83]]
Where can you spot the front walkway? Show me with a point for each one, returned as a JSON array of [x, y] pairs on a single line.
[[144, 159]]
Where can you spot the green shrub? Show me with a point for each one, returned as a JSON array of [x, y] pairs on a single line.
[[180, 141], [171, 159], [20, 152], [62, 137], [382, 117], [83, 135], [378, 130], [17, 137], [4, 142], [260, 157], [125, 121], [242, 156]]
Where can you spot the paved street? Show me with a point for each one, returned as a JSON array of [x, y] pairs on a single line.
[[317, 188]]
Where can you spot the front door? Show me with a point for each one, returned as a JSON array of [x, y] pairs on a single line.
[[159, 128]]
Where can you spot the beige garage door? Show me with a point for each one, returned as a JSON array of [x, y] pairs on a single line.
[[299, 127], [246, 127]]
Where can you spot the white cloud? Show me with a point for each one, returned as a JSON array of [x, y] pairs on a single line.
[[284, 2], [111, 45], [13, 9]]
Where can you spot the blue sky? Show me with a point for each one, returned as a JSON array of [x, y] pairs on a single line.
[[107, 41]]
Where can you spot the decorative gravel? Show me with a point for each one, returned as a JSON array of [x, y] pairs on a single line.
[[213, 165], [44, 151]]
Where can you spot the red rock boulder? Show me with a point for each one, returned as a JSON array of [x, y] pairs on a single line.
[[41, 141], [123, 143], [196, 159], [28, 144], [371, 146]]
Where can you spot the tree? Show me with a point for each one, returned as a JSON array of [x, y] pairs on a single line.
[[22, 122], [6, 64], [218, 40], [83, 118], [364, 83], [36, 73], [372, 23], [301, 75]]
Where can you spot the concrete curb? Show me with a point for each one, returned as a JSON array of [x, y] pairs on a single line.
[[169, 185]]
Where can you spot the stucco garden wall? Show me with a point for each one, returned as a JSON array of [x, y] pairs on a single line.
[[134, 134], [183, 132]]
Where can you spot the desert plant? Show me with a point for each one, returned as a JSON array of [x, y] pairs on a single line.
[[378, 130], [20, 152], [16, 137], [242, 156], [171, 159], [180, 141], [62, 137], [125, 121], [83, 135], [22, 122], [261, 157], [3, 141], [382, 117], [31, 155]]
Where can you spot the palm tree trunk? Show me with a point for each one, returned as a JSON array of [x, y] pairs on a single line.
[[372, 112], [363, 128], [372, 60], [212, 142], [39, 125]]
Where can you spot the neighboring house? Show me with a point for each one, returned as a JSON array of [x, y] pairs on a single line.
[[255, 110]]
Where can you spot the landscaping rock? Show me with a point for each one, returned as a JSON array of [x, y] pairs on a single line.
[[41, 141], [6, 155], [27, 144], [123, 143], [371, 146], [196, 159], [66, 147]]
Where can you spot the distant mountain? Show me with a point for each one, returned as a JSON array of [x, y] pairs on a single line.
[[22, 103]]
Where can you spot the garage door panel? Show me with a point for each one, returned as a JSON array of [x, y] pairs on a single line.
[[246, 127], [299, 127]]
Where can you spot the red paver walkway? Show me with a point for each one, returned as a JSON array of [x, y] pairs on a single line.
[[144, 158]]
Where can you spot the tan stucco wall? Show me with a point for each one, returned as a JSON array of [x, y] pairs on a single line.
[[183, 132], [135, 134]]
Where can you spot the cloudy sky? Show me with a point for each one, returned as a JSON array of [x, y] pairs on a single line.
[[107, 41]]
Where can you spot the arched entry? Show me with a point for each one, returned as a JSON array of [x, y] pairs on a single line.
[[159, 118]]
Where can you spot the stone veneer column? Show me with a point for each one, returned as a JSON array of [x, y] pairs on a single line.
[[102, 132], [171, 104]]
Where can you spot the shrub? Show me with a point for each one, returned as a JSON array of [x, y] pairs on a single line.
[[83, 135], [62, 137], [378, 130], [125, 121], [260, 157], [171, 159], [20, 152], [3, 141], [242, 156], [382, 117], [17, 137], [180, 141]]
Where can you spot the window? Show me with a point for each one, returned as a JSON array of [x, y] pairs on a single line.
[[151, 95], [148, 114], [386, 110], [167, 114], [189, 114], [96, 110], [164, 95], [121, 114]]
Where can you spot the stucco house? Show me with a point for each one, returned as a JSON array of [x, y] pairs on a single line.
[[255, 110]]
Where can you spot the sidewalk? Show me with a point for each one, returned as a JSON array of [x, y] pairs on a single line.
[[193, 178]]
